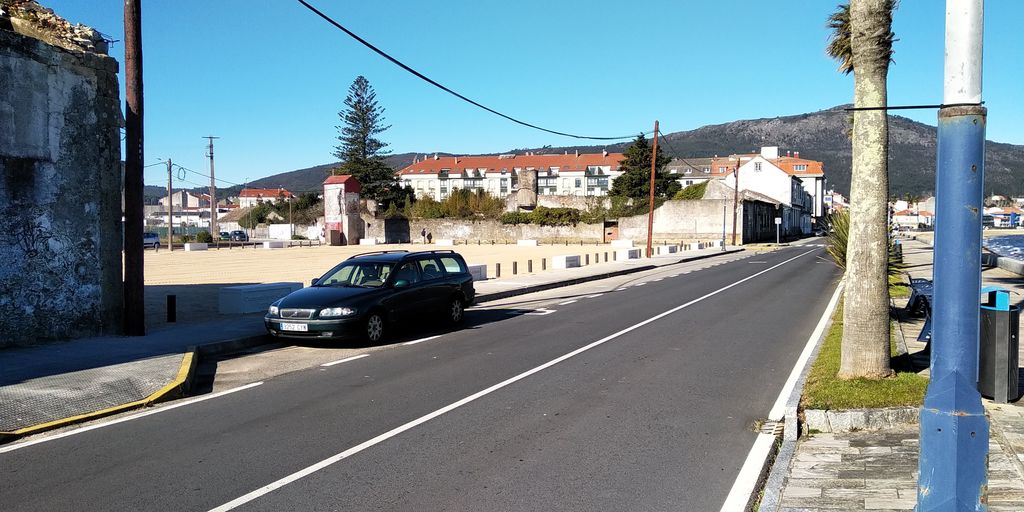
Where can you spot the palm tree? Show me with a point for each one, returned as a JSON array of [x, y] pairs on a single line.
[[861, 41]]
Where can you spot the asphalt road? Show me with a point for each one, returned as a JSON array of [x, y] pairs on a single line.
[[611, 415]]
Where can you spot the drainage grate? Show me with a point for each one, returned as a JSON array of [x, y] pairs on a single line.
[[772, 428]]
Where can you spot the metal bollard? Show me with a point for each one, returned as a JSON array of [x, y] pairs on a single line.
[[497, 270], [606, 257], [172, 308], [529, 266], [543, 263], [515, 267], [586, 259]]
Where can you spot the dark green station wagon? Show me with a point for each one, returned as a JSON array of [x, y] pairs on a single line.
[[368, 294]]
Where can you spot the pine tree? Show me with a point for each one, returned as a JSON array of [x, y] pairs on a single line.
[[360, 151], [635, 180]]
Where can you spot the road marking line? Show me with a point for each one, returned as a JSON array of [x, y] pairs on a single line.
[[594, 296], [566, 303], [674, 275], [271, 487], [126, 418], [747, 480], [640, 284], [347, 359], [421, 340], [541, 312], [622, 289]]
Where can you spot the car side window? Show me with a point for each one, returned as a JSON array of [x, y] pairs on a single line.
[[343, 275], [408, 272], [430, 269], [452, 265]]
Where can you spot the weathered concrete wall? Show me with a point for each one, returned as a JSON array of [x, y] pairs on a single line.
[[682, 220], [408, 230], [60, 192]]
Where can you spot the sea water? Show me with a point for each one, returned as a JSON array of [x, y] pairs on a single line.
[[1011, 246]]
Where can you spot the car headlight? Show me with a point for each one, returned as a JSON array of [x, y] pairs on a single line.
[[335, 312], [273, 310]]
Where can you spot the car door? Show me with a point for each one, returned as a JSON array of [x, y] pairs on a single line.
[[406, 301], [436, 289]]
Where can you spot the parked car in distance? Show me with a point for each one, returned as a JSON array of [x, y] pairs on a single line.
[[224, 235], [368, 294], [150, 239], [239, 236]]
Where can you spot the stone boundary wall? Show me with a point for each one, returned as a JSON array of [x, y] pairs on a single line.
[[60, 192], [408, 230]]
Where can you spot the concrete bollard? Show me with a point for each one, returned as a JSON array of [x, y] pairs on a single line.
[[529, 266], [543, 263], [497, 270], [515, 267], [586, 259]]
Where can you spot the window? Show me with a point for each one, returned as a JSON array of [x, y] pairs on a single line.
[[688, 172], [800, 167], [757, 166], [366, 274], [721, 170], [444, 173], [408, 273], [547, 182], [579, 183], [599, 182], [707, 170], [430, 268], [473, 183], [504, 186], [452, 265]]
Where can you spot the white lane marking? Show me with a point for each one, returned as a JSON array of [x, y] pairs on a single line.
[[347, 359], [737, 499], [18, 446], [566, 303], [658, 279], [746, 481], [640, 284], [271, 487], [541, 312], [594, 296], [674, 275], [621, 289], [421, 340]]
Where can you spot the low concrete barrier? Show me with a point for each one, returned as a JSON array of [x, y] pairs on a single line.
[[560, 262], [444, 242], [627, 254], [275, 244], [196, 247], [367, 241], [527, 243], [666, 249], [252, 298], [622, 243], [479, 272], [692, 246]]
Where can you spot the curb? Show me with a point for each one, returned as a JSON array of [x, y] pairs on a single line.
[[177, 387], [595, 277], [771, 495]]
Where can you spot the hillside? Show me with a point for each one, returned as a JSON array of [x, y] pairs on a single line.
[[818, 136]]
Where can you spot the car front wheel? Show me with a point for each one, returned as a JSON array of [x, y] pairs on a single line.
[[375, 327]]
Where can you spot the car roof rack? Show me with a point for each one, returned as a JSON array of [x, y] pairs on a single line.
[[436, 251], [376, 252]]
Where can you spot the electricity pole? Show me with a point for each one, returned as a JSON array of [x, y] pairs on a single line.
[[170, 208], [650, 210], [213, 191], [735, 201], [954, 431], [134, 279]]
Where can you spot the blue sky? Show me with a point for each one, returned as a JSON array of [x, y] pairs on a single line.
[[269, 77]]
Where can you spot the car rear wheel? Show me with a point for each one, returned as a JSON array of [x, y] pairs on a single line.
[[375, 327], [456, 313]]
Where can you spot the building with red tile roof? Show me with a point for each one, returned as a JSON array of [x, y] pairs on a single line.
[[253, 196]]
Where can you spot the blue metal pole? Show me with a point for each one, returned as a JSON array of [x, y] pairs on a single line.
[[954, 431]]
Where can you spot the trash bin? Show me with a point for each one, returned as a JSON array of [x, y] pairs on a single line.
[[997, 357]]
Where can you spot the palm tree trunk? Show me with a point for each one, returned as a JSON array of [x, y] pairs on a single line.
[[865, 348]]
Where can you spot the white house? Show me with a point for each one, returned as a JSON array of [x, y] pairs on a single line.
[[761, 175], [574, 174], [254, 196]]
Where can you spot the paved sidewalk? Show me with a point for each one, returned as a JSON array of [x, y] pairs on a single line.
[[877, 470], [50, 385]]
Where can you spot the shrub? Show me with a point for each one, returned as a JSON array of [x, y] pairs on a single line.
[[555, 216], [692, 192], [186, 239], [839, 235], [515, 218], [204, 237]]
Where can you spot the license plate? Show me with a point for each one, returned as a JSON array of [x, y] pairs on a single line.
[[294, 327]]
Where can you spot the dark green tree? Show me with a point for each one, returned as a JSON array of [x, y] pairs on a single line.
[[635, 181], [360, 151]]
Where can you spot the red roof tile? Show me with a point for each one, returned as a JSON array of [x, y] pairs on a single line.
[[350, 182], [264, 192]]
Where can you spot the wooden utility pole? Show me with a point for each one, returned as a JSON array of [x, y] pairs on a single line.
[[650, 209], [134, 280], [213, 192], [170, 208], [735, 201]]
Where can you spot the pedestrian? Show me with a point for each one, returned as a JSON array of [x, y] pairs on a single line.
[[423, 235], [430, 238]]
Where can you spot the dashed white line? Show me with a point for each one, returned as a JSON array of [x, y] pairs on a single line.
[[594, 296], [640, 284], [347, 359], [298, 475], [541, 312], [128, 418], [658, 279], [421, 340], [566, 303]]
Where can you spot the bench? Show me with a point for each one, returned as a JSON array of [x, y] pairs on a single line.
[[920, 302]]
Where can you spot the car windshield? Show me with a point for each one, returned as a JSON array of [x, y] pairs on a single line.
[[364, 274]]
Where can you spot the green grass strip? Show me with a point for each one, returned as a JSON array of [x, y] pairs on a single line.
[[824, 390]]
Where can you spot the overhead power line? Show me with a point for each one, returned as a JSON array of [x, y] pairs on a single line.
[[423, 77]]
